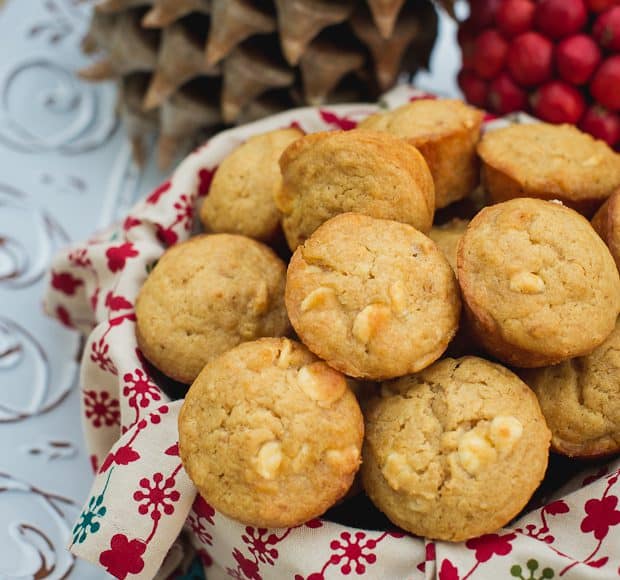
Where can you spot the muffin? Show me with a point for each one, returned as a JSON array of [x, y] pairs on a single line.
[[270, 435], [441, 443], [374, 298], [205, 296], [326, 174], [446, 133], [580, 399], [240, 199], [538, 284], [549, 162], [447, 237], [606, 222]]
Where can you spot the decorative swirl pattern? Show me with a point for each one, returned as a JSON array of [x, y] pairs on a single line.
[[40, 93], [38, 542], [28, 239], [24, 362]]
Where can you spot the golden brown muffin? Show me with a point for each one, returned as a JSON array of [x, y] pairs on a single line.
[[205, 296], [606, 222], [580, 399], [270, 435], [538, 284], [446, 133], [240, 199], [455, 451], [447, 237], [374, 298], [548, 162], [325, 174]]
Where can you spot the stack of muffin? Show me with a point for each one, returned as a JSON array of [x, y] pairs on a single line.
[[302, 377]]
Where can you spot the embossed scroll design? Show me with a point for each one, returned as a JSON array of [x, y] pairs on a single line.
[[39, 542], [21, 352], [28, 238], [76, 116]]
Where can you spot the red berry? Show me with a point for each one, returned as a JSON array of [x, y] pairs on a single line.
[[600, 5], [515, 17], [605, 85], [489, 54], [559, 18], [482, 12], [606, 29], [466, 33], [529, 59], [602, 124], [558, 102], [577, 58], [505, 96], [474, 88]]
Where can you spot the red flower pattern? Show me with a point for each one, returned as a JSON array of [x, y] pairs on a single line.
[[153, 198], [248, 568], [101, 409], [118, 255], [65, 318], [354, 551], [99, 355], [139, 389], [448, 571], [65, 282], [258, 541], [124, 455], [79, 258], [130, 222], [490, 545], [336, 120], [185, 211], [158, 495], [602, 514], [166, 236], [124, 556], [203, 509], [205, 177], [117, 302]]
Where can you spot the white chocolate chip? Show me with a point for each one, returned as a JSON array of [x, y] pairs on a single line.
[[318, 298], [269, 459], [261, 299], [321, 383], [284, 358], [300, 461], [398, 297], [504, 432], [591, 161], [369, 321], [395, 470], [345, 460], [475, 452], [527, 283]]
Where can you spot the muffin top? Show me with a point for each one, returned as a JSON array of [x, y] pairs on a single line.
[[426, 120], [552, 162], [374, 298], [205, 296], [580, 399], [534, 275], [240, 199], [329, 173], [440, 444], [270, 435]]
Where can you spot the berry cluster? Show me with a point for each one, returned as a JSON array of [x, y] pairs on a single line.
[[558, 59]]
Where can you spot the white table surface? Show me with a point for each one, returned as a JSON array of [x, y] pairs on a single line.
[[65, 170]]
